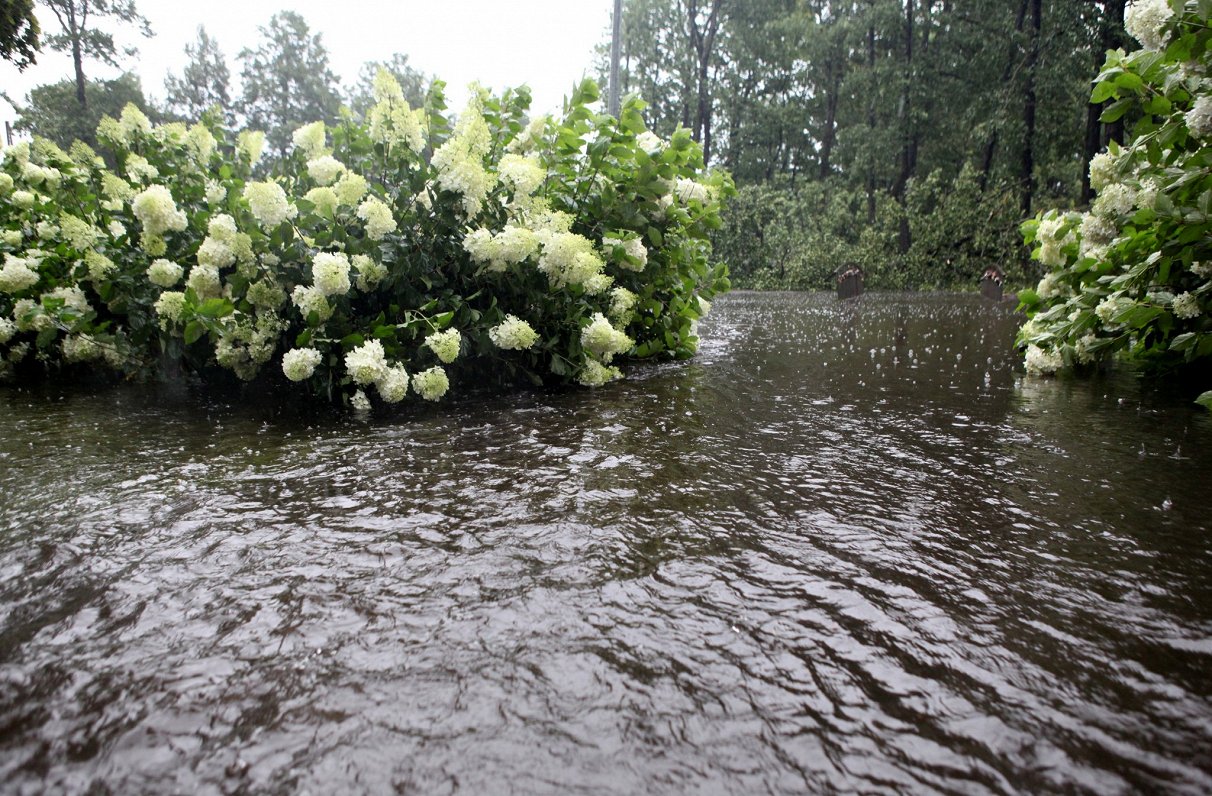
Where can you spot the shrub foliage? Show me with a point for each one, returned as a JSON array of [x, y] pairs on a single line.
[[378, 259]]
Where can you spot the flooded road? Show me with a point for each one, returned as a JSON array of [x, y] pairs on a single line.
[[848, 548]]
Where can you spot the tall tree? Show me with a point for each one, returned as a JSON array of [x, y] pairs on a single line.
[[702, 31], [203, 83], [81, 36], [19, 33], [287, 81], [414, 82], [53, 111]]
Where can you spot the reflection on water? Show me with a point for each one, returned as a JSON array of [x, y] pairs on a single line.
[[848, 548]]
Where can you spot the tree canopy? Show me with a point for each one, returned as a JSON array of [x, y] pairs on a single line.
[[204, 83], [287, 80], [19, 31]]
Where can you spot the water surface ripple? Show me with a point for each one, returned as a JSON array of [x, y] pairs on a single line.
[[848, 549]]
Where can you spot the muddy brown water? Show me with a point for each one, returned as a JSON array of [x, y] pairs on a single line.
[[849, 548]]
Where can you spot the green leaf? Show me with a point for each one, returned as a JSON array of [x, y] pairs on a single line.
[[216, 308], [1102, 92], [1182, 341], [1116, 110], [193, 331], [1205, 400]]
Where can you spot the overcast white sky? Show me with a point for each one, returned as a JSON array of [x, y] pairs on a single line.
[[547, 44]]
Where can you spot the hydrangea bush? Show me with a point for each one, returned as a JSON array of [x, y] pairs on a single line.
[[1133, 275], [383, 258]]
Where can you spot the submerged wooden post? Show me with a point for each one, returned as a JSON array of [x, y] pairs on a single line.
[[850, 283], [991, 283]]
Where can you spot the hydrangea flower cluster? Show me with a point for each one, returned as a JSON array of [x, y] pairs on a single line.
[[365, 269], [1127, 277]]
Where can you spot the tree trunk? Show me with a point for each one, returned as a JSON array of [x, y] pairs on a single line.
[[1027, 170], [905, 112], [871, 120], [1096, 133], [702, 42], [830, 135], [991, 144], [78, 63]]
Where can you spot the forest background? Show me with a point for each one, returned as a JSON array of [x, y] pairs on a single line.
[[907, 137]]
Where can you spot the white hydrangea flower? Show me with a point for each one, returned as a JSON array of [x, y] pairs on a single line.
[[16, 275], [204, 280], [568, 258], [330, 273], [30, 316], [300, 363], [370, 273], [164, 273], [523, 172], [7, 330], [1114, 200], [595, 374], [169, 307], [133, 123], [309, 300], [1110, 308], [268, 203], [79, 348], [367, 363], [598, 283], [394, 384], [1199, 118], [1042, 363], [250, 144], [24, 199], [360, 402], [690, 191], [648, 141], [378, 218], [391, 121], [1102, 170], [72, 297], [431, 384], [513, 334], [350, 188], [1145, 19], [445, 344], [116, 229], [460, 161], [139, 170], [325, 169], [99, 266], [201, 142], [1186, 306], [1203, 269], [325, 200], [622, 303], [634, 256], [601, 338], [310, 139], [157, 212], [78, 233], [216, 194]]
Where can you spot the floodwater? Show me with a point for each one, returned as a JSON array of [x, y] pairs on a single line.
[[849, 548]]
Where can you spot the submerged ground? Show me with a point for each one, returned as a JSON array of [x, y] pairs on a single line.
[[848, 548]]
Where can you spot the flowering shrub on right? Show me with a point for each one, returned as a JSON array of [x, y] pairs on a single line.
[[1133, 275]]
